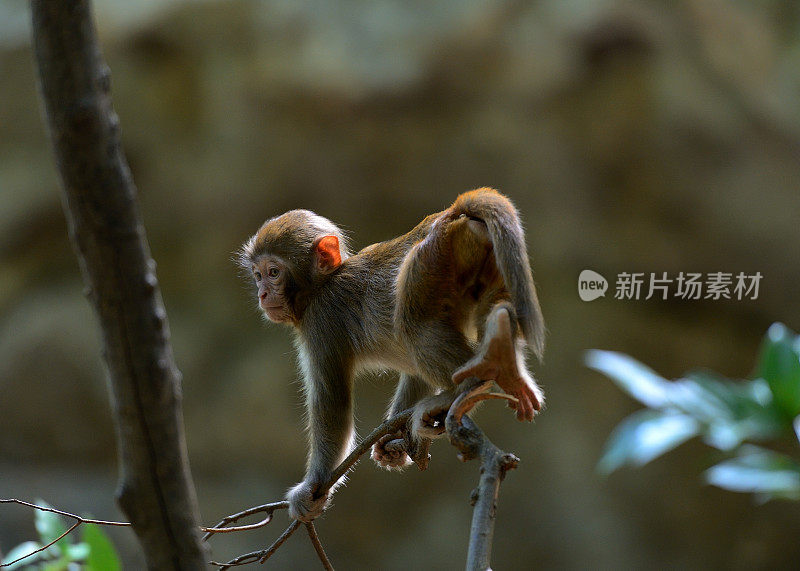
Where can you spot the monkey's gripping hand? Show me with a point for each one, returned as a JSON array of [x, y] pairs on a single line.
[[429, 415], [305, 503]]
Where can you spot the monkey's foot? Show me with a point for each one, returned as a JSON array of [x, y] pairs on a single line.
[[429, 415], [431, 423], [304, 504], [390, 452], [497, 360]]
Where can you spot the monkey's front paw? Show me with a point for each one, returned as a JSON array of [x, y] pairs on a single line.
[[304, 504], [390, 452]]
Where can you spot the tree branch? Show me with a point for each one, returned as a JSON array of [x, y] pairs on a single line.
[[269, 509], [312, 534], [99, 198], [465, 435], [388, 426], [78, 521], [264, 554]]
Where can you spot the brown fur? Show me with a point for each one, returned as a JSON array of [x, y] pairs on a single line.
[[419, 303]]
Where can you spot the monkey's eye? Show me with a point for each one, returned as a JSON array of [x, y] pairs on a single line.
[[273, 272], [257, 276]]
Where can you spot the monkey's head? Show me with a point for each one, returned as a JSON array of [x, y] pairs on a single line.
[[290, 256]]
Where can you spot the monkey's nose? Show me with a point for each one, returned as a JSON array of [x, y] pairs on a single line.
[[263, 295]]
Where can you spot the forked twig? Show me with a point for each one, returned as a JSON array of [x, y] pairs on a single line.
[[464, 434], [262, 555], [221, 527], [390, 425], [78, 521], [34, 552]]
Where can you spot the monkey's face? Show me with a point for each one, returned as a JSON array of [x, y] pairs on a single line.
[[270, 275]]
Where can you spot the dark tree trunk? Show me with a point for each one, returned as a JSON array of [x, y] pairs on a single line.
[[99, 198]]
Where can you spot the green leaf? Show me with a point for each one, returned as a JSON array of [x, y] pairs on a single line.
[[102, 555], [78, 552], [645, 435], [698, 401], [760, 471], [732, 411], [729, 435], [779, 365], [22, 550], [738, 398], [639, 381]]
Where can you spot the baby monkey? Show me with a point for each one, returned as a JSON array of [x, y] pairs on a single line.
[[453, 298]]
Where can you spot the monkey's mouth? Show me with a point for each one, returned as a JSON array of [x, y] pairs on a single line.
[[267, 306], [274, 312]]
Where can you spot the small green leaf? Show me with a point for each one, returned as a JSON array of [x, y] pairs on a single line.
[[730, 411], [22, 550], [639, 381], [779, 365], [696, 400], [102, 555], [758, 470], [78, 552], [645, 435], [728, 435]]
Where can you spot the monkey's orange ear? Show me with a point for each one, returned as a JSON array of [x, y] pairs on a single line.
[[328, 256]]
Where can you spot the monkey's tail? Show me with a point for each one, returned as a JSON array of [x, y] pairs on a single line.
[[511, 256]]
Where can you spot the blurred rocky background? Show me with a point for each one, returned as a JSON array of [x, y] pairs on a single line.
[[645, 136]]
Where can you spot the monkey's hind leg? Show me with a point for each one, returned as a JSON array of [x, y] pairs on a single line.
[[395, 451], [500, 358]]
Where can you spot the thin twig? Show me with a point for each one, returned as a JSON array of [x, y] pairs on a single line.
[[262, 555], [278, 542], [245, 559], [470, 403], [209, 531], [388, 426], [78, 521], [221, 527], [72, 527], [66, 514], [468, 397], [312, 533], [464, 434]]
